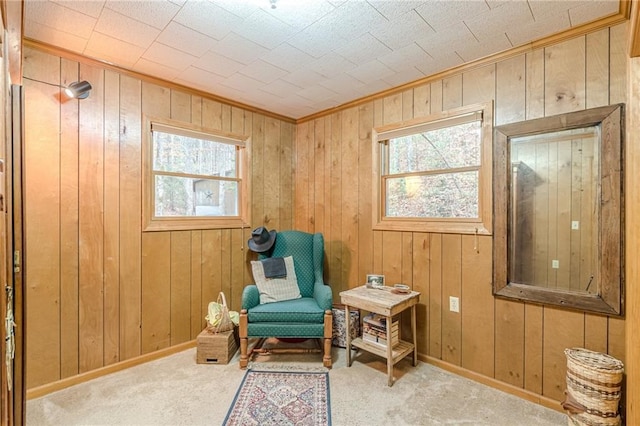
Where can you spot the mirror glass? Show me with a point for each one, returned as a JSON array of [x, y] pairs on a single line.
[[557, 185], [554, 211]]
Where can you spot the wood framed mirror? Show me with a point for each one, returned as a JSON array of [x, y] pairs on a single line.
[[558, 228]]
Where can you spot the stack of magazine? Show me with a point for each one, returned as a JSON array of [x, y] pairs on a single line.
[[374, 330]]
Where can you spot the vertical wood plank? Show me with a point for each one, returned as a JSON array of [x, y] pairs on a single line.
[[349, 146], [406, 269], [406, 277], [226, 118], [69, 243], [421, 262], [479, 85], [534, 95], [451, 286], [564, 77], [257, 170], [597, 68], [91, 222], [130, 225], [156, 291], [111, 218], [422, 101], [197, 315], [595, 333], [180, 290], [435, 297], [365, 198], [562, 329], [336, 260], [180, 106], [616, 339], [510, 90], [287, 138], [211, 267], [510, 342], [477, 305], [41, 169], [156, 100], [211, 114], [225, 263], [436, 97], [196, 110], [452, 92], [632, 249], [407, 104], [392, 108], [319, 193], [392, 256], [533, 345], [618, 63], [302, 219], [271, 173], [238, 247]]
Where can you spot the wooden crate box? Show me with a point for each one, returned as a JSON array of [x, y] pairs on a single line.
[[216, 348]]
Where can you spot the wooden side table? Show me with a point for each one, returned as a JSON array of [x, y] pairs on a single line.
[[382, 302]]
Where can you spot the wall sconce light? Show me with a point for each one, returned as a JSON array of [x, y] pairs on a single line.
[[78, 90]]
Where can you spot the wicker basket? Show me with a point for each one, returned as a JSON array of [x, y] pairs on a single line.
[[594, 386]]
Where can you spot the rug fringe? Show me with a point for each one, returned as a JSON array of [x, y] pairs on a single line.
[[256, 366]]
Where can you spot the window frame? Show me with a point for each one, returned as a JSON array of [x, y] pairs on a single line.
[[483, 223], [151, 222]]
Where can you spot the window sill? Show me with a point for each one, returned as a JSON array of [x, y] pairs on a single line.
[[185, 224], [439, 227]]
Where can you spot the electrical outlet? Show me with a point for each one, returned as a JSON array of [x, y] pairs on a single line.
[[454, 304], [555, 264], [575, 224]]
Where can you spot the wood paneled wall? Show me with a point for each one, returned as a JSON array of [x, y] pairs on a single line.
[[520, 344], [99, 289]]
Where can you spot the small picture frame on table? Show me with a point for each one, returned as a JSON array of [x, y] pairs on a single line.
[[374, 281]]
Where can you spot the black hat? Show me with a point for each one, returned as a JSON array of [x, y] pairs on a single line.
[[261, 239]]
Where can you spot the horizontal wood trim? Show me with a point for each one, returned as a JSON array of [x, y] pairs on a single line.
[[621, 16], [43, 390], [155, 80], [491, 382]]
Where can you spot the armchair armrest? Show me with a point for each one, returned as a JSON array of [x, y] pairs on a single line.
[[250, 297], [323, 295]]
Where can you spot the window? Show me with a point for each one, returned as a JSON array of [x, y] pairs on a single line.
[[433, 174], [195, 178]]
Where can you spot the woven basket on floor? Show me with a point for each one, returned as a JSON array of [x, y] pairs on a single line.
[[594, 386]]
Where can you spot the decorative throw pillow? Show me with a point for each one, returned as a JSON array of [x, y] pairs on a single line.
[[276, 289]]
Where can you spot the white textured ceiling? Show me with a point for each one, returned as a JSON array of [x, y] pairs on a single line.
[[304, 56]]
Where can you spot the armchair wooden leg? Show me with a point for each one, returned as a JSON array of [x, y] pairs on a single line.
[[328, 334], [244, 339]]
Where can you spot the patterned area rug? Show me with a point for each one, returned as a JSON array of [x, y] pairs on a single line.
[[281, 398]]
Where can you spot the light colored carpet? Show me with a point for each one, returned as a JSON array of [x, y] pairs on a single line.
[[177, 391]]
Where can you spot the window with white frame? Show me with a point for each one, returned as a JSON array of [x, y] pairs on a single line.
[[195, 178], [434, 173]]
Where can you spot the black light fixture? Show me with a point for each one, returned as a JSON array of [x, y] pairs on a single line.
[[78, 90]]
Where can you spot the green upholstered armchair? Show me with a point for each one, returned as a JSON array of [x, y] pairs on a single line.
[[307, 317]]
